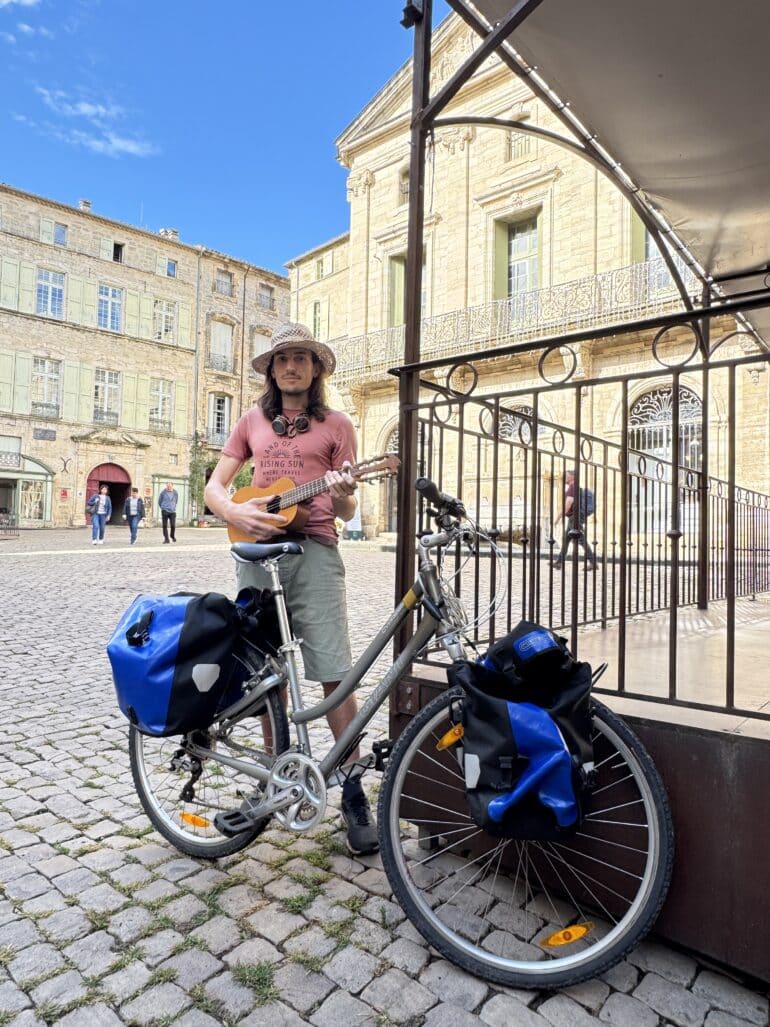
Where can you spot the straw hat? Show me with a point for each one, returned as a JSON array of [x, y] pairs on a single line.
[[294, 336]]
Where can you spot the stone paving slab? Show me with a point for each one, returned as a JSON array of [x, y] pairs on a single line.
[[103, 923]]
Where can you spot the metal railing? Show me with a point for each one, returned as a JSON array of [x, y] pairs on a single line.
[[265, 302], [10, 458], [220, 362], [625, 293], [160, 424], [8, 526], [109, 417], [49, 410], [216, 438]]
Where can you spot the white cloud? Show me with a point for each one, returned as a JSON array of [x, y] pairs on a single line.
[[111, 145], [60, 103], [29, 30], [25, 29], [7, 37], [21, 3]]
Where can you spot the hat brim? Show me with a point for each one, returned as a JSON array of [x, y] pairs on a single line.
[[261, 363]]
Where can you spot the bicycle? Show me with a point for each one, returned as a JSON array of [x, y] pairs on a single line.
[[518, 913]]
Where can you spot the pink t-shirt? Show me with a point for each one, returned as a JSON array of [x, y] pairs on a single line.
[[302, 459]]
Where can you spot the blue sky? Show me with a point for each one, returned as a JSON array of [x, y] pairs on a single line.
[[218, 119]]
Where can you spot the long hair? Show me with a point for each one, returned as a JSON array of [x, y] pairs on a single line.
[[271, 401]]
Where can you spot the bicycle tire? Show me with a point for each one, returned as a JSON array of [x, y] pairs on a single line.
[[489, 904], [188, 822]]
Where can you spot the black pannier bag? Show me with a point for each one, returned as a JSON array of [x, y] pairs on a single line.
[[175, 658], [526, 746]]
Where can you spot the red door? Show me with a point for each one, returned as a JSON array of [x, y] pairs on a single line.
[[118, 482]]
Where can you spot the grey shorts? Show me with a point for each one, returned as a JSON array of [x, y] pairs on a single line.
[[314, 587]]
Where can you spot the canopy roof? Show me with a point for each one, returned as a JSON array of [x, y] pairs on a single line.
[[675, 92]]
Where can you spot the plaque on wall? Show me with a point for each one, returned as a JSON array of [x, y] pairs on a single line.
[[46, 434]]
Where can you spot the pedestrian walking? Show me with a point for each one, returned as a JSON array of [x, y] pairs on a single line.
[[100, 508], [133, 513], [575, 515], [169, 498]]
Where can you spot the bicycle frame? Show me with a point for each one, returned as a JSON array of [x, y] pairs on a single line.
[[425, 592]]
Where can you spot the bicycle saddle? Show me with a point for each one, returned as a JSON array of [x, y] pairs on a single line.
[[251, 552]]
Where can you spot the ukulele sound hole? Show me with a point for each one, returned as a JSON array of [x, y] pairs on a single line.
[[274, 506]]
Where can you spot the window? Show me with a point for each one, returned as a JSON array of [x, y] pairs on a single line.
[[110, 312], [221, 346], [50, 294], [10, 451], [223, 283], [59, 234], [317, 319], [522, 257], [117, 252], [173, 458], [164, 321], [403, 186], [106, 396], [266, 296], [171, 268], [519, 145], [46, 387], [160, 405], [31, 501], [219, 419]]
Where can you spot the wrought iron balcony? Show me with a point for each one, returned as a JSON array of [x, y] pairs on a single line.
[[106, 417], [50, 410], [220, 362], [625, 294], [9, 458], [266, 302], [216, 438], [160, 424]]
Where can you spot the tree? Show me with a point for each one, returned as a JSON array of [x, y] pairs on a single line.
[[199, 462]]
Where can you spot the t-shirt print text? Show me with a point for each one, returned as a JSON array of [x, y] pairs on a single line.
[[282, 457]]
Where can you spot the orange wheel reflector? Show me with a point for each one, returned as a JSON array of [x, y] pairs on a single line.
[[568, 935], [193, 821], [454, 734]]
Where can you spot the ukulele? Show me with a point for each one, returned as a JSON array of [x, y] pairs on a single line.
[[291, 501]]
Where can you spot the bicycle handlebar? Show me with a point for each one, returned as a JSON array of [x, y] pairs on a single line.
[[446, 504]]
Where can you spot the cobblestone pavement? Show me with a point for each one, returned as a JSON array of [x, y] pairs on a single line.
[[103, 923]]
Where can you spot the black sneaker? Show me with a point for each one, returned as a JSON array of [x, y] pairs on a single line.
[[362, 829]]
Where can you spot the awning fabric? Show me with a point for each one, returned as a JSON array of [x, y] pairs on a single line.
[[677, 91]]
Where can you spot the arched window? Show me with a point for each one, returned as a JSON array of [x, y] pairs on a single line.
[[650, 425]]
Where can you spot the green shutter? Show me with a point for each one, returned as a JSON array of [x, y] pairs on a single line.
[[106, 249], [6, 381], [27, 279], [324, 320], [132, 313], [46, 230], [74, 299], [180, 409], [161, 266], [22, 391], [128, 401], [185, 324], [142, 401], [396, 311], [501, 261], [90, 298], [145, 316], [86, 395], [638, 238], [71, 386], [9, 283]]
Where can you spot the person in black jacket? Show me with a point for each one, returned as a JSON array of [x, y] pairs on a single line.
[[133, 512]]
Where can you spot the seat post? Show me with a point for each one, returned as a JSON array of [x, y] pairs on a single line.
[[289, 648]]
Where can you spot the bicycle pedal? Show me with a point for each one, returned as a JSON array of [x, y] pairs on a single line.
[[232, 823], [381, 751]]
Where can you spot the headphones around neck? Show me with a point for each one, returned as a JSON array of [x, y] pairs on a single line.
[[299, 424]]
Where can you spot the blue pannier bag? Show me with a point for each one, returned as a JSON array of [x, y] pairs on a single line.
[[174, 659], [527, 753]]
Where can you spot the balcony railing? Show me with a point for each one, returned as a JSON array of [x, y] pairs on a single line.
[[9, 458], [223, 286], [106, 417], [625, 294], [220, 362], [160, 424], [266, 302], [217, 438], [50, 410]]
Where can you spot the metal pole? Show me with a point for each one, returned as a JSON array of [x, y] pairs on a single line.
[[409, 382], [703, 487]]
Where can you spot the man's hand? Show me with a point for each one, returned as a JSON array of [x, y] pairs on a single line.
[[252, 519], [341, 483]]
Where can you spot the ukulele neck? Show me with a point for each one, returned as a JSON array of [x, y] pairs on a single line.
[[302, 493]]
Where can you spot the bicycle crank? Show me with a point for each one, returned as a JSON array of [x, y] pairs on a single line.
[[295, 774]]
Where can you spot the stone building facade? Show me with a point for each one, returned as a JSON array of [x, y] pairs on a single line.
[[121, 352], [522, 240]]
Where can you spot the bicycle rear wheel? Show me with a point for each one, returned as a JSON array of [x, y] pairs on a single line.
[[526, 913], [181, 795]]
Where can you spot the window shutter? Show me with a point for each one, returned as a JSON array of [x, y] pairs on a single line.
[[329, 262], [638, 238], [180, 409], [185, 319], [86, 394], [309, 316], [71, 384], [90, 297], [145, 316], [324, 320], [27, 279], [161, 266], [22, 392], [6, 381], [132, 313], [9, 283], [500, 284], [46, 230], [106, 248], [228, 413], [75, 299], [142, 419], [128, 401]]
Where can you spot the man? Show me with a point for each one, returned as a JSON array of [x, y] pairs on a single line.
[[575, 522], [133, 512], [292, 433], [169, 497]]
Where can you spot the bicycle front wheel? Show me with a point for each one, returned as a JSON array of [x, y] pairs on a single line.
[[526, 914], [181, 794]]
